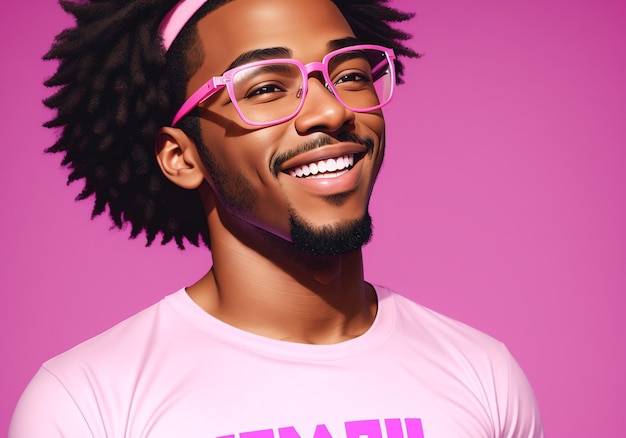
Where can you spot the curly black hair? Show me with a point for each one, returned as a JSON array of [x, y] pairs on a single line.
[[116, 86]]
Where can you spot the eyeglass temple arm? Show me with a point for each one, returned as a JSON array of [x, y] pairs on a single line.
[[201, 94]]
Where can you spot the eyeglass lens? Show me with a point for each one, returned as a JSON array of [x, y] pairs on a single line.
[[360, 79]]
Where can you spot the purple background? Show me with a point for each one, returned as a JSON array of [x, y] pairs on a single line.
[[502, 201]]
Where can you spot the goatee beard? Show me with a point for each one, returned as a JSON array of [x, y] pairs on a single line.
[[330, 239]]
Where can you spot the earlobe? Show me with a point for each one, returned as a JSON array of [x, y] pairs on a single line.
[[178, 158]]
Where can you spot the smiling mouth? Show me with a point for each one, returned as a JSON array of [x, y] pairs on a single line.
[[328, 168]]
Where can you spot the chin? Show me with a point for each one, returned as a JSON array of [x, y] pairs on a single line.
[[339, 238]]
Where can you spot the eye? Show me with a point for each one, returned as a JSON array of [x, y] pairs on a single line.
[[352, 78], [264, 91]]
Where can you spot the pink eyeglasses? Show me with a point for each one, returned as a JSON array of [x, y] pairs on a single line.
[[272, 91]]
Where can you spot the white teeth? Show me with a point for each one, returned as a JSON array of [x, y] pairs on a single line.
[[329, 175], [333, 166]]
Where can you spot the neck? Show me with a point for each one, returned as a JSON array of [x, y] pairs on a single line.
[[266, 286]]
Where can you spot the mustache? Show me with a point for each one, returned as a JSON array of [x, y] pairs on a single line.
[[318, 142]]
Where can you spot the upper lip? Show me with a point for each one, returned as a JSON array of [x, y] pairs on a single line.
[[323, 153]]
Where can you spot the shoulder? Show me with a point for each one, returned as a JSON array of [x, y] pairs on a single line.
[[115, 340], [418, 320], [475, 358], [122, 345], [115, 357], [440, 336], [46, 400], [68, 392]]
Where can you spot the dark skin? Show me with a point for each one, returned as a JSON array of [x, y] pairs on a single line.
[[259, 281]]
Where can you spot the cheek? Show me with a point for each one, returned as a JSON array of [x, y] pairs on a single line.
[[242, 150], [232, 188], [237, 168], [373, 125]]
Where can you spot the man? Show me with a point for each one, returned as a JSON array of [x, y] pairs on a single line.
[[270, 111]]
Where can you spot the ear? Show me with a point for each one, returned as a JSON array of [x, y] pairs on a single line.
[[178, 158]]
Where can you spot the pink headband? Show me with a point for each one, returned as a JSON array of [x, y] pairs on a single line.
[[176, 19]]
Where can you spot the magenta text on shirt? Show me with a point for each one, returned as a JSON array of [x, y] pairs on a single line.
[[354, 429]]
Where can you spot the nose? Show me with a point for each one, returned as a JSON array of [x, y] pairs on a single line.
[[321, 110]]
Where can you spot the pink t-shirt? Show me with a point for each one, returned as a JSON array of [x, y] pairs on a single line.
[[173, 370]]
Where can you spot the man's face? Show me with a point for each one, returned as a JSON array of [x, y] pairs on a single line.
[[253, 170]]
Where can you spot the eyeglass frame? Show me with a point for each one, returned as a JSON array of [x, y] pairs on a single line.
[[216, 83]]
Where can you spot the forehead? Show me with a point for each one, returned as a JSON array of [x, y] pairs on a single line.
[[305, 27]]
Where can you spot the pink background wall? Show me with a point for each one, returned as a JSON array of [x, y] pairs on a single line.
[[502, 201]]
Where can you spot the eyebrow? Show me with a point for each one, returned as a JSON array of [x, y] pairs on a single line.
[[260, 55], [342, 42], [284, 52]]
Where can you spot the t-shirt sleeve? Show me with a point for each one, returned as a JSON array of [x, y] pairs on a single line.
[[46, 409], [518, 407]]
